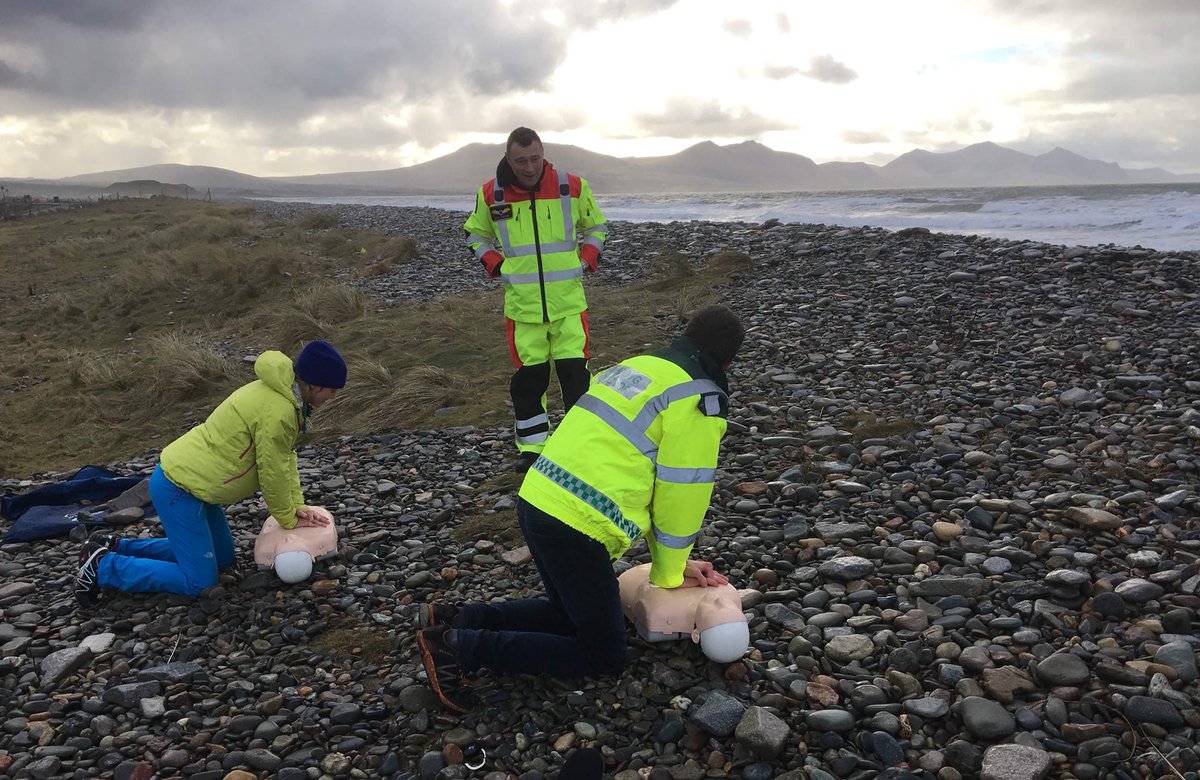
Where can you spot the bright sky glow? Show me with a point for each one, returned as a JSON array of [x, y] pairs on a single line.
[[288, 87]]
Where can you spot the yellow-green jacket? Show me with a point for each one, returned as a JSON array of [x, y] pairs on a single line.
[[528, 239], [636, 456], [246, 444]]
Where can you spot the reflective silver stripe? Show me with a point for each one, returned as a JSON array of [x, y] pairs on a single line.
[[554, 247], [712, 405], [549, 276], [615, 420], [634, 431], [684, 476], [505, 244], [673, 541], [563, 275], [478, 239], [533, 438], [596, 242], [537, 419], [482, 250], [599, 227], [658, 404], [531, 249]]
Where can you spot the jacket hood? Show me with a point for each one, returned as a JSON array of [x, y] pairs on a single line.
[[703, 361], [506, 178], [276, 372]]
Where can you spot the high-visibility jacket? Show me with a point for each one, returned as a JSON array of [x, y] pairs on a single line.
[[636, 456], [246, 444], [530, 239]]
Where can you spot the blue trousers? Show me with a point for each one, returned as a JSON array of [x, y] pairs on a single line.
[[578, 630], [198, 543]]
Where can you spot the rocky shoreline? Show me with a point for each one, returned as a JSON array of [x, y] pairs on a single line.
[[959, 489]]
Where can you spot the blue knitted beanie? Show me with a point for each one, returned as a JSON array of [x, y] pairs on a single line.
[[320, 365]]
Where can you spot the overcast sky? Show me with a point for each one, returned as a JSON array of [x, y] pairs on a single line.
[[283, 87]]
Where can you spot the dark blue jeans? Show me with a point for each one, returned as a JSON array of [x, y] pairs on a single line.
[[578, 630]]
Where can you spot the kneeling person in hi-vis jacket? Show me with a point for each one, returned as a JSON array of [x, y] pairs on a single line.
[[538, 230], [636, 456]]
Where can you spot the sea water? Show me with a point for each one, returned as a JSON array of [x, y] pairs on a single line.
[[1165, 217]]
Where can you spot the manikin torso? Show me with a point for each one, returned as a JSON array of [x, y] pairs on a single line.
[[666, 614], [317, 541]]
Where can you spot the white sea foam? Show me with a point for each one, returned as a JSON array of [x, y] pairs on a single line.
[[1163, 217]]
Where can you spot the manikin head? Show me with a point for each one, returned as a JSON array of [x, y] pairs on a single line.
[[721, 628], [293, 566]]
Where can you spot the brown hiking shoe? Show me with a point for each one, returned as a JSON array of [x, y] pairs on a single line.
[[431, 615], [441, 666]]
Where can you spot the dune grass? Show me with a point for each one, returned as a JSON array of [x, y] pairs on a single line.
[[125, 323]]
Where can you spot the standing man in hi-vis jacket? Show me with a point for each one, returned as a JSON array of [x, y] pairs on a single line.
[[636, 456], [526, 230]]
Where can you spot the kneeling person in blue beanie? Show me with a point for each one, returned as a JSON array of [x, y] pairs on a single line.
[[245, 445]]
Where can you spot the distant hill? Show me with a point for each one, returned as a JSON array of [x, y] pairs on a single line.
[[991, 165], [200, 177], [148, 188], [703, 167]]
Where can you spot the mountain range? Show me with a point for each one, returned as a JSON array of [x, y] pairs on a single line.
[[705, 167]]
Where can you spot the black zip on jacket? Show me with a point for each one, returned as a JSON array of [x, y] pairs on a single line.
[[506, 178]]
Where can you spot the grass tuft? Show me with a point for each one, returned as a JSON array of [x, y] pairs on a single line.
[[320, 220], [181, 367], [349, 640], [500, 525], [113, 313], [376, 398]]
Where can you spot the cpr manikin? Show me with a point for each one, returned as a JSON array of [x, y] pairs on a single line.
[[711, 616], [291, 551]]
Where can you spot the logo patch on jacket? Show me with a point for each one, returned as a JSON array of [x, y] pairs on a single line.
[[501, 211], [627, 381]]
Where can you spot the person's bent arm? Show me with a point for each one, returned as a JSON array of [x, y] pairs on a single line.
[[683, 485], [278, 475], [591, 223], [481, 237]]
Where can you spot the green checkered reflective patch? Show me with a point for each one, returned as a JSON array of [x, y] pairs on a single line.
[[589, 495]]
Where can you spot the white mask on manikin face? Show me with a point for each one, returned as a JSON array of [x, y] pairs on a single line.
[[293, 566], [725, 643]]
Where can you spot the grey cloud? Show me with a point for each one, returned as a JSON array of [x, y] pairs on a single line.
[[1119, 50], [777, 72], [84, 14], [781, 23], [10, 76], [278, 62], [1124, 135], [864, 137], [825, 68], [593, 13], [683, 118], [739, 27]]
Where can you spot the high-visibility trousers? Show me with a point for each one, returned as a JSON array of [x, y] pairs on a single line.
[[532, 346]]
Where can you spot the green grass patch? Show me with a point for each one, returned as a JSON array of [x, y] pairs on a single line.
[[500, 525], [124, 324], [349, 640], [865, 425]]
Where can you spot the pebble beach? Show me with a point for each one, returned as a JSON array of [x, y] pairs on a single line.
[[960, 495]]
